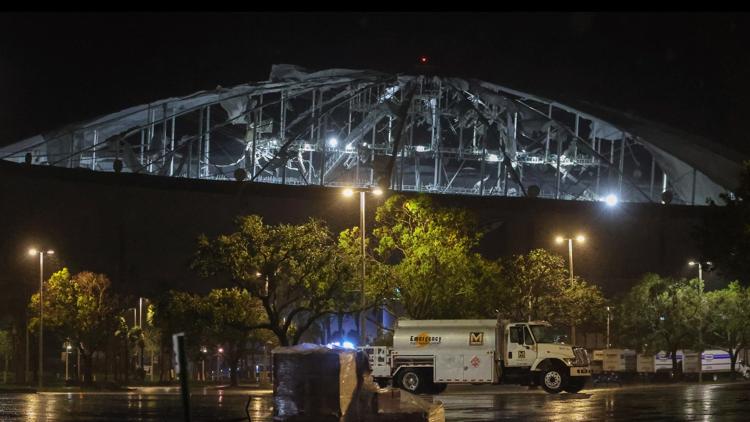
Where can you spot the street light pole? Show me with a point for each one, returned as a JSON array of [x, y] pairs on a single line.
[[581, 239], [140, 325], [570, 258], [608, 317], [700, 316], [41, 310], [67, 355], [41, 317], [362, 315]]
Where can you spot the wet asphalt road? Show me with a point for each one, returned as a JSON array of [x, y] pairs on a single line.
[[714, 402]]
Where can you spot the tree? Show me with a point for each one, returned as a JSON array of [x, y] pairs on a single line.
[[151, 336], [175, 312], [660, 314], [538, 286], [229, 318], [296, 271], [422, 257], [531, 287], [6, 348], [726, 321], [724, 235], [80, 308]]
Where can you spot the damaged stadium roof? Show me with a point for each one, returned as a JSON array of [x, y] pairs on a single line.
[[416, 132]]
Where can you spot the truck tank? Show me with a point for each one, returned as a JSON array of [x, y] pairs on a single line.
[[424, 337]]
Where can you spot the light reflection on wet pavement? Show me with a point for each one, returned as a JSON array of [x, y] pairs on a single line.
[[725, 402]]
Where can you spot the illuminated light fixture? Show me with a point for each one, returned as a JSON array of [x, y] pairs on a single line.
[[611, 200], [34, 251], [333, 142], [221, 350], [581, 238], [346, 344], [348, 192], [377, 191], [559, 239], [424, 59], [691, 263]]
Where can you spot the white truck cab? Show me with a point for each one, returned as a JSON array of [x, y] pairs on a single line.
[[427, 355]]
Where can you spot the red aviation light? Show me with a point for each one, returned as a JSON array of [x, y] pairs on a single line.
[[423, 59]]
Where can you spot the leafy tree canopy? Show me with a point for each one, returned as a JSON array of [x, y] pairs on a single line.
[[298, 272]]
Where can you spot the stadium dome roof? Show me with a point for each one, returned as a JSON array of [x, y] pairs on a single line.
[[342, 127]]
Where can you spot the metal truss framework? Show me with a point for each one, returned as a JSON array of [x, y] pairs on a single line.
[[361, 128]]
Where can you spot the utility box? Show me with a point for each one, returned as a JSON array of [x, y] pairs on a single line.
[[645, 363], [619, 360], [597, 361], [691, 362]]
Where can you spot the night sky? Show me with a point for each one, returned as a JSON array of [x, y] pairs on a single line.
[[686, 70]]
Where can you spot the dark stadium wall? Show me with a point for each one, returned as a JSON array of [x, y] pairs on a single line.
[[141, 230]]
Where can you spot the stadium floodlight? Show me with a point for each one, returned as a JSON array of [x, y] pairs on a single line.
[[333, 142], [611, 200]]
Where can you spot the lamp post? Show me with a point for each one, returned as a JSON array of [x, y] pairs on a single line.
[[68, 348], [204, 350], [348, 193], [134, 358], [609, 309], [218, 367], [140, 325], [41, 254], [700, 313], [580, 239]]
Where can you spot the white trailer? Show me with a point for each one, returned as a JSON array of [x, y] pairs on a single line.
[[427, 355], [713, 362]]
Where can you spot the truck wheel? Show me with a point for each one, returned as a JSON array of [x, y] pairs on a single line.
[[553, 380], [575, 384], [412, 380]]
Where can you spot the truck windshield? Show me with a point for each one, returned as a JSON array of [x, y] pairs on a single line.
[[546, 334]]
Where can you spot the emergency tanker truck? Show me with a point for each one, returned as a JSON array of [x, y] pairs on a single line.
[[427, 355]]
